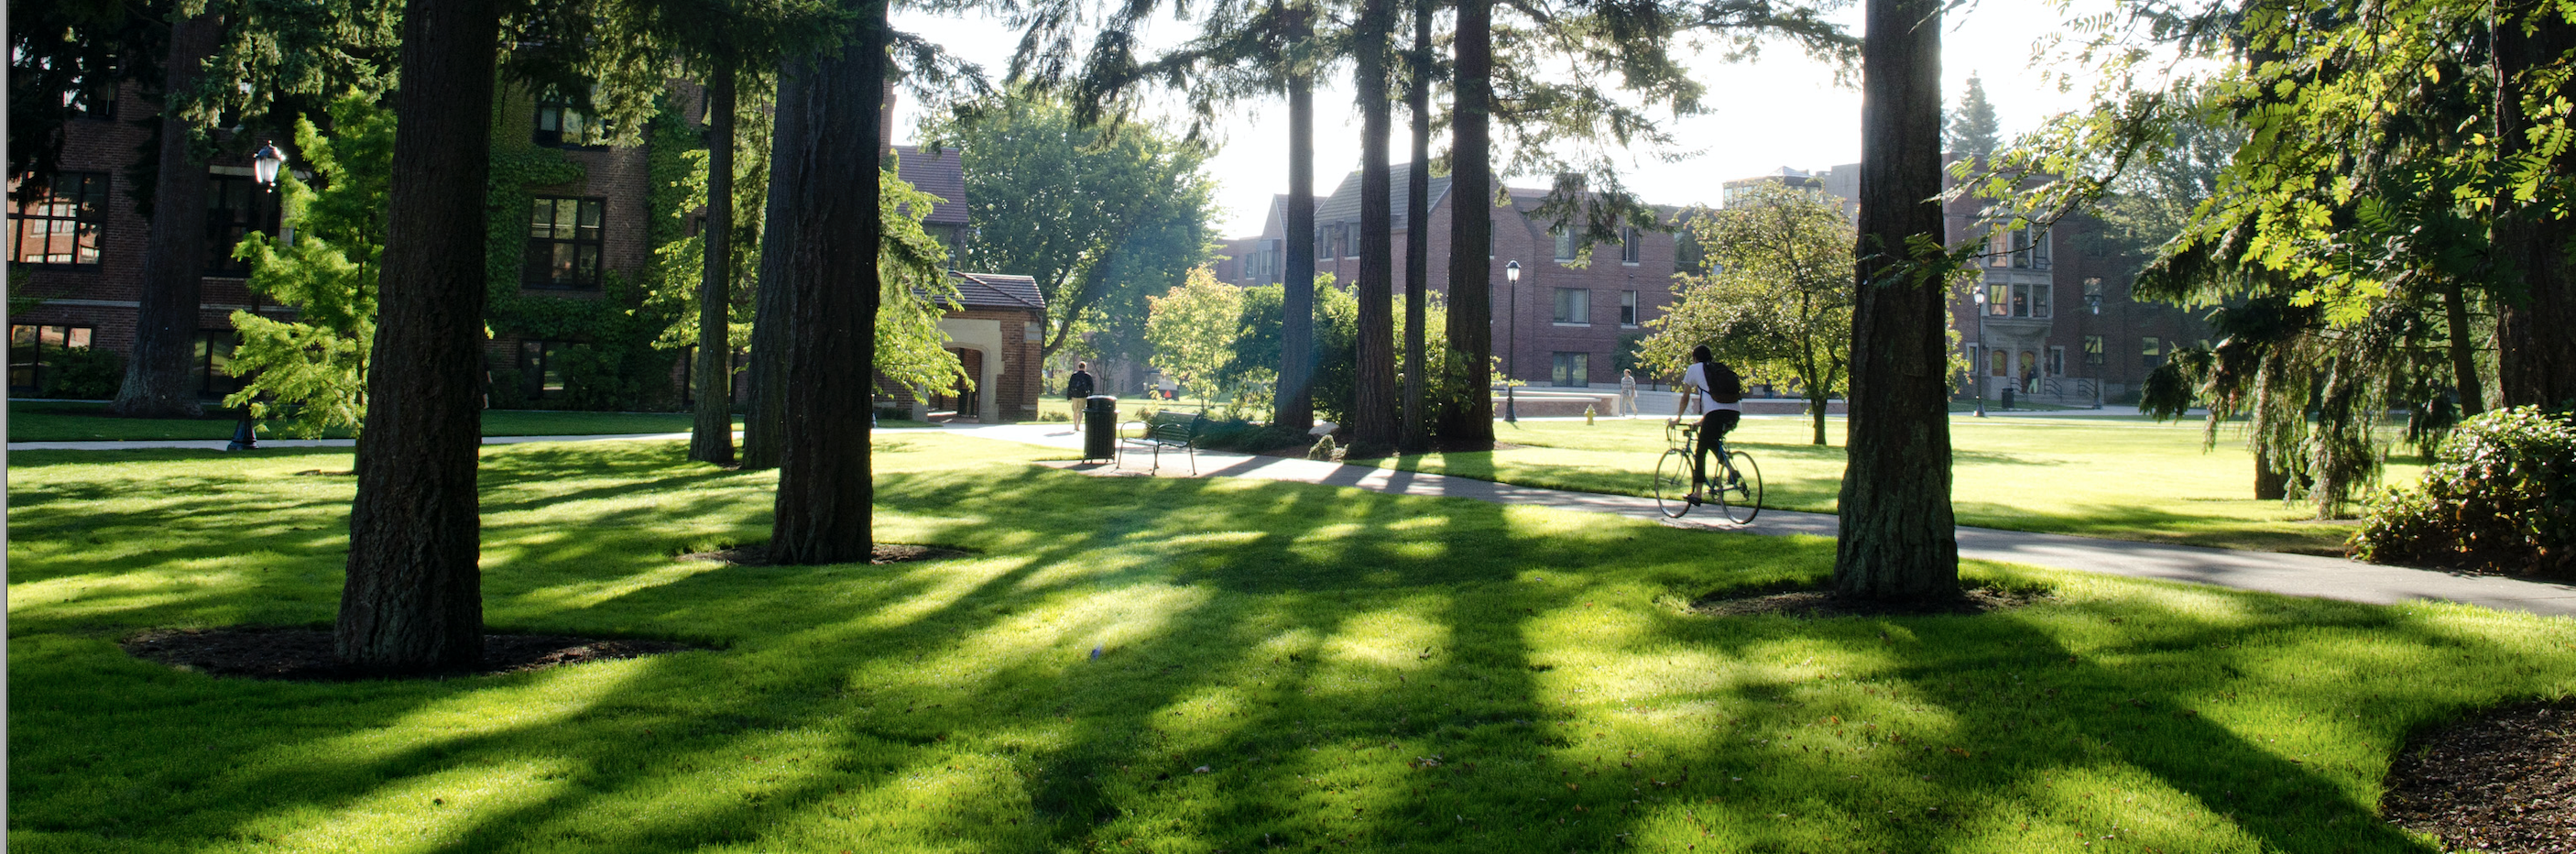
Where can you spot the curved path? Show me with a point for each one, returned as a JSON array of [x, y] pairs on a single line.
[[2271, 572]]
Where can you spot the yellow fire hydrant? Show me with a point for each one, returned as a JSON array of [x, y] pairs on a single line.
[[1587, 414]]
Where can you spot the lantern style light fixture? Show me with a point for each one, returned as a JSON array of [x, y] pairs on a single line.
[[264, 164]]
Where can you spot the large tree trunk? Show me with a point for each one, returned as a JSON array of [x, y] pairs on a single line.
[[711, 437], [174, 252], [2535, 352], [414, 595], [2270, 483], [1417, 232], [774, 305], [1467, 418], [1294, 406], [1898, 539], [824, 488], [2463, 349], [1373, 404]]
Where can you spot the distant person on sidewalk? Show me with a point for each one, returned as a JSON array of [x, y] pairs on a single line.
[[1628, 393], [1720, 395], [1076, 388]]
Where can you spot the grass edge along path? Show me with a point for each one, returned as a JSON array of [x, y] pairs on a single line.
[[2108, 478], [56, 421], [1354, 671]]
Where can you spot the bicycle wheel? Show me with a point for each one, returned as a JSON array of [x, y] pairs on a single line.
[[1741, 498], [1672, 483]]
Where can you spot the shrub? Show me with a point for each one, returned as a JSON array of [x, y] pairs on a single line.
[[84, 373], [2501, 494]]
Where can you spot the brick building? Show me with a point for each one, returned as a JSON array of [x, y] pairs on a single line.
[[79, 237], [2058, 323], [1566, 323]]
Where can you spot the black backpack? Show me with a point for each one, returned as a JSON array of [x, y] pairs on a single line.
[[1724, 385], [1078, 385]]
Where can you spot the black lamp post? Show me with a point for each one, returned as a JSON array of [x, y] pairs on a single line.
[[1977, 371], [264, 165], [1512, 360], [2093, 307]]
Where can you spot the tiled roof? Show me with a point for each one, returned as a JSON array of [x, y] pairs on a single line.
[[938, 173], [996, 290], [1344, 204]]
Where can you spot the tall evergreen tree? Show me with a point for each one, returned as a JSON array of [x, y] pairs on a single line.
[[174, 251], [824, 487], [1974, 131], [1467, 416], [1374, 409], [413, 597], [1898, 539], [1417, 227], [1294, 404]]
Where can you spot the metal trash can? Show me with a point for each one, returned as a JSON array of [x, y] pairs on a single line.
[[2008, 395], [1099, 427]]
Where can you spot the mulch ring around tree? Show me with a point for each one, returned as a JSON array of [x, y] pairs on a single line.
[[1818, 604], [2503, 781], [881, 553], [306, 655]]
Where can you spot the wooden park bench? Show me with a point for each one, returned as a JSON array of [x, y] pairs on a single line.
[[1163, 430]]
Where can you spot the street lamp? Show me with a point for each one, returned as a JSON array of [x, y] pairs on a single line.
[[1977, 369], [1512, 360], [2093, 306], [264, 164]]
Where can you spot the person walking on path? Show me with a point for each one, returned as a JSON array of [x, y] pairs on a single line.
[[1628, 393], [1077, 388]]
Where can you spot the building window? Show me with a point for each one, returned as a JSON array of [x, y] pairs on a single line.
[[34, 351], [2149, 354], [58, 221], [1627, 308], [2024, 248], [1630, 248], [564, 243], [1999, 363], [1564, 244], [1998, 299], [1571, 369], [2093, 350], [540, 367], [235, 207], [2028, 299], [92, 99], [1573, 305], [1323, 244], [561, 124], [2056, 361], [210, 362], [2039, 298], [1351, 240]]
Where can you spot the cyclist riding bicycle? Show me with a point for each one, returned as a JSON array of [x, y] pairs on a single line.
[[1720, 394]]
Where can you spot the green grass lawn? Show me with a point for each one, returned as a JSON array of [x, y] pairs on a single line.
[[61, 422], [1353, 671], [2122, 478]]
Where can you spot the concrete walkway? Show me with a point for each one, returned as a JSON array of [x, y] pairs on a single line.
[[2270, 572]]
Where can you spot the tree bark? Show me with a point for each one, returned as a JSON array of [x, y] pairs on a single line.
[[1467, 418], [1898, 539], [1295, 403], [824, 486], [2270, 484], [413, 598], [1373, 402], [174, 251], [2463, 349], [711, 437], [774, 305], [2535, 353], [1417, 232]]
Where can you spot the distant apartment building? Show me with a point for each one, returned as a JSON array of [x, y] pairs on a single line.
[[1569, 321], [2056, 322]]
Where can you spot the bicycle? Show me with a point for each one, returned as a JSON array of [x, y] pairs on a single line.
[[1740, 499]]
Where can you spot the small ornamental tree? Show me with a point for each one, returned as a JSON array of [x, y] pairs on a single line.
[[1193, 328], [312, 370], [1779, 302]]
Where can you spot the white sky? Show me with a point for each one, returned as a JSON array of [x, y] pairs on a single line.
[[1780, 110]]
